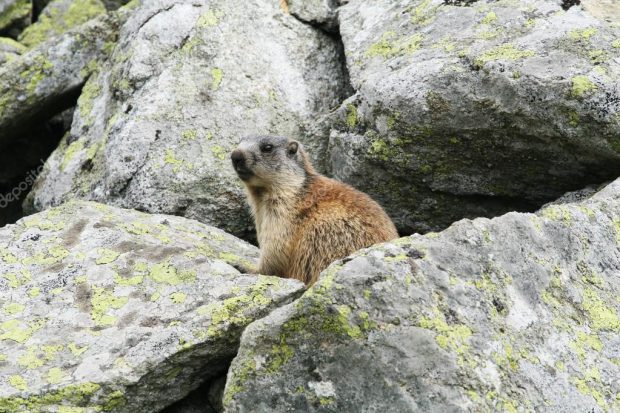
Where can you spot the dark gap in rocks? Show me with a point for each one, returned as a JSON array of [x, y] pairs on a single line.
[[459, 2], [22, 160], [47, 110], [205, 399], [567, 4], [37, 8]]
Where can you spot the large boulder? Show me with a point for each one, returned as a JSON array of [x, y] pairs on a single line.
[[517, 313], [41, 83], [476, 108], [105, 309], [154, 128], [58, 17]]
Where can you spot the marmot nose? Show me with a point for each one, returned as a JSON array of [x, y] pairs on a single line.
[[237, 157]]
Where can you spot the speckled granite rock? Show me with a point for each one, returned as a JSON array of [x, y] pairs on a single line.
[[514, 314], [154, 129], [103, 309], [478, 108], [58, 17], [42, 82]]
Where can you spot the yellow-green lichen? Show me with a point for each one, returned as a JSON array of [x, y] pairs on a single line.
[[588, 384], [424, 14], [106, 256], [390, 45], [72, 150], [208, 19], [18, 382], [166, 273], [583, 34], [76, 350], [13, 308], [231, 311], [178, 297], [16, 11], [503, 52], [135, 280], [584, 344], [189, 135], [218, 75], [351, 115], [15, 330], [8, 257], [601, 316], [558, 213], [102, 301], [34, 292], [56, 20], [219, 152], [55, 375], [86, 101], [75, 395], [489, 18], [582, 85], [454, 337]]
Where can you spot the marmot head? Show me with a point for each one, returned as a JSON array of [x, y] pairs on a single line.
[[271, 161]]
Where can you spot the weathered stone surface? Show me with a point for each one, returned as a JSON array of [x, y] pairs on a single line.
[[517, 313], [58, 17], [465, 111], [154, 128], [9, 49], [45, 80], [14, 16], [105, 309], [322, 13]]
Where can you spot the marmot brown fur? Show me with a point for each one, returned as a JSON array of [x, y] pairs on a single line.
[[304, 221]]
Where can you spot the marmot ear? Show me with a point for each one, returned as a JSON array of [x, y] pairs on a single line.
[[292, 147]]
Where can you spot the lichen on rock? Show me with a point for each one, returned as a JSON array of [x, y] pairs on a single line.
[[100, 313]]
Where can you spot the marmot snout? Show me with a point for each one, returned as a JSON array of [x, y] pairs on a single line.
[[304, 221]]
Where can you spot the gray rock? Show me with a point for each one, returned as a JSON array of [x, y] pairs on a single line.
[[43, 81], [154, 129], [104, 309], [465, 111], [517, 313], [14, 16], [9, 49], [321, 13], [58, 17]]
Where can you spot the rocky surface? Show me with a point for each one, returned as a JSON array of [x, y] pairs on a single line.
[[14, 16], [517, 313], [9, 49], [464, 109], [321, 13], [58, 17], [154, 128], [440, 109], [104, 309], [43, 82]]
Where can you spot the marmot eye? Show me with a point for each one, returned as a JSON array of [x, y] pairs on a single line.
[[266, 148]]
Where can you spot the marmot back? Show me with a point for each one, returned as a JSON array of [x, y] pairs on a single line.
[[304, 221]]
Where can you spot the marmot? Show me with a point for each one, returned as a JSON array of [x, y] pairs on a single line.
[[304, 221]]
